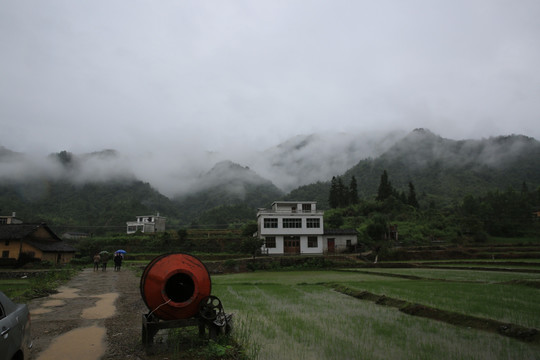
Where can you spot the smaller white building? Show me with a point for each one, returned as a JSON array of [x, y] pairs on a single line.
[[297, 227], [147, 224], [10, 219]]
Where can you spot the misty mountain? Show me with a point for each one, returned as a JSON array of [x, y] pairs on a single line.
[[93, 206], [451, 169], [306, 159], [442, 169], [103, 189], [421, 149], [301, 160], [99, 189], [7, 155], [100, 166], [227, 184]]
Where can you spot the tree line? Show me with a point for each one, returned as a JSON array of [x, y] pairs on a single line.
[[342, 195], [501, 213], [507, 213]]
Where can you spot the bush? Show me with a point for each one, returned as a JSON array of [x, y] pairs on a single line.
[[46, 283], [82, 260], [25, 258], [480, 237], [230, 263]]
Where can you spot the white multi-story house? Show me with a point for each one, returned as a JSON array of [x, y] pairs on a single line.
[[297, 227], [147, 224]]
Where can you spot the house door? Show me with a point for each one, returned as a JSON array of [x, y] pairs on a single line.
[[332, 245], [292, 245]]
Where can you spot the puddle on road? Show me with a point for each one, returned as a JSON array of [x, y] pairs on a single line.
[[103, 309], [86, 343], [53, 303], [56, 300], [40, 311], [66, 293]]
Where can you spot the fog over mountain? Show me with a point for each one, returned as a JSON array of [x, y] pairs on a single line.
[[108, 186], [177, 86], [232, 177], [301, 160], [422, 147], [317, 157], [78, 168]]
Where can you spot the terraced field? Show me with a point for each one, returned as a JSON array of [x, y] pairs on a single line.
[[422, 311]]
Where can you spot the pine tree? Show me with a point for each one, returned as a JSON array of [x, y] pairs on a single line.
[[524, 188], [411, 199], [353, 191], [343, 195], [333, 198], [385, 188]]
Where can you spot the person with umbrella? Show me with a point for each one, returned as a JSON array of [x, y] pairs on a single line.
[[118, 257]]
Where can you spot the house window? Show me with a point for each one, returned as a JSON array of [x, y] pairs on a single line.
[[292, 223], [270, 223], [7, 242], [270, 241], [306, 207], [5, 254], [349, 243], [3, 221], [313, 223], [312, 242]]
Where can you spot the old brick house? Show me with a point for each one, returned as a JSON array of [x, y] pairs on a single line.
[[36, 241]]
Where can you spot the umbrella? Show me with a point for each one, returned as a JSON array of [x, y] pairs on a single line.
[[103, 252], [121, 251]]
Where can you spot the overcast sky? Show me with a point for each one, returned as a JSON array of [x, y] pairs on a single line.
[[187, 76]]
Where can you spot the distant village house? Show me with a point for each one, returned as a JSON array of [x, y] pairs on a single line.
[[297, 227], [73, 235], [34, 242], [147, 224], [4, 220]]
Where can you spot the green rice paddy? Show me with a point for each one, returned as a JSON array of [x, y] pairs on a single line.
[[295, 315]]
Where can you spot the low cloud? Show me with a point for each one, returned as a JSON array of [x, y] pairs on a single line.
[[299, 161]]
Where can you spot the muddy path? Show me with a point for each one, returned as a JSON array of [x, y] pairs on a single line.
[[96, 315]]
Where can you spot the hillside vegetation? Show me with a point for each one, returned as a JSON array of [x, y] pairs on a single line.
[[442, 170], [445, 174]]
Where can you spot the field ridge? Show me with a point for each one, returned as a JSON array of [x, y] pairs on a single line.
[[529, 335]]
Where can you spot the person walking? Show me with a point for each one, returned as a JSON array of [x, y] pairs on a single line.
[[104, 259], [97, 260], [117, 261]]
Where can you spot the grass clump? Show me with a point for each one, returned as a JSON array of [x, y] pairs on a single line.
[[185, 343], [47, 282], [38, 284]]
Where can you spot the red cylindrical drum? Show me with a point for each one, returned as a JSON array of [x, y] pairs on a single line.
[[173, 285]]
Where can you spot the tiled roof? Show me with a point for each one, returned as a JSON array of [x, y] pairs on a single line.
[[25, 232], [50, 246], [17, 231]]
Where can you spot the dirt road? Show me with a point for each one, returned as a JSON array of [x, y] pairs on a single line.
[[96, 315]]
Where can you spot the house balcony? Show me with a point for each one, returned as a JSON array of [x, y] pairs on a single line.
[[263, 212]]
